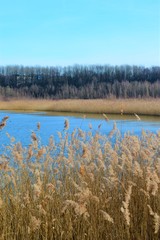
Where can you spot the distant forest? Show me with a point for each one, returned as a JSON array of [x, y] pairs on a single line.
[[93, 81]]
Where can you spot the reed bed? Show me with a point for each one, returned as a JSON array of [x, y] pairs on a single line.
[[115, 106], [81, 187]]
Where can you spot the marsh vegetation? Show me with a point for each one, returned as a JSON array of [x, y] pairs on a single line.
[[83, 186], [114, 106]]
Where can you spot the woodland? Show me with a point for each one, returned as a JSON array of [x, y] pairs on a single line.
[[79, 82]]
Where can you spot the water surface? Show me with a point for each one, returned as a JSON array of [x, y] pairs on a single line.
[[21, 124]]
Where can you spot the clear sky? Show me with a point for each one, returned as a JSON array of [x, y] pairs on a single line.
[[67, 32]]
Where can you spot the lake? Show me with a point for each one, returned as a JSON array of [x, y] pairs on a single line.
[[21, 124]]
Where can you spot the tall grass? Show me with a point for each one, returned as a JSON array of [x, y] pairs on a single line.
[[116, 106], [83, 186]]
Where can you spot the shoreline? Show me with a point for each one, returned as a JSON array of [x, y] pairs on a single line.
[[150, 107]]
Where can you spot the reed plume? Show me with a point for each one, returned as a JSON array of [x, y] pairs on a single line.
[[79, 185]]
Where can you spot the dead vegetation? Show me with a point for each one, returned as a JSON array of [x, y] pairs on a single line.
[[110, 106], [82, 186]]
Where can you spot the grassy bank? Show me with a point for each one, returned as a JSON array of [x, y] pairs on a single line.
[[81, 188], [129, 106]]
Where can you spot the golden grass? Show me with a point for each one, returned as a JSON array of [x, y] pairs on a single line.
[[116, 106], [82, 187]]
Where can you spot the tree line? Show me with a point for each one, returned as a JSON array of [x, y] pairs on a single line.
[[78, 81]]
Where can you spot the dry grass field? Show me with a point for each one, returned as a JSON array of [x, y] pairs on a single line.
[[82, 187], [115, 106]]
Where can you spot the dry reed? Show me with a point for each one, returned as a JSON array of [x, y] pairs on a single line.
[[81, 187], [109, 106]]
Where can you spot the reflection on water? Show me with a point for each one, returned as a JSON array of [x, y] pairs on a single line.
[[21, 124], [100, 116]]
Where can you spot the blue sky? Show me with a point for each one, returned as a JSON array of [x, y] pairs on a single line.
[[67, 32]]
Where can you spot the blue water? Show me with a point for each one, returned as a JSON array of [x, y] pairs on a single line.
[[20, 125]]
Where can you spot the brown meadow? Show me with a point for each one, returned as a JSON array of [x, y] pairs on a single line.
[[81, 187], [115, 106]]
